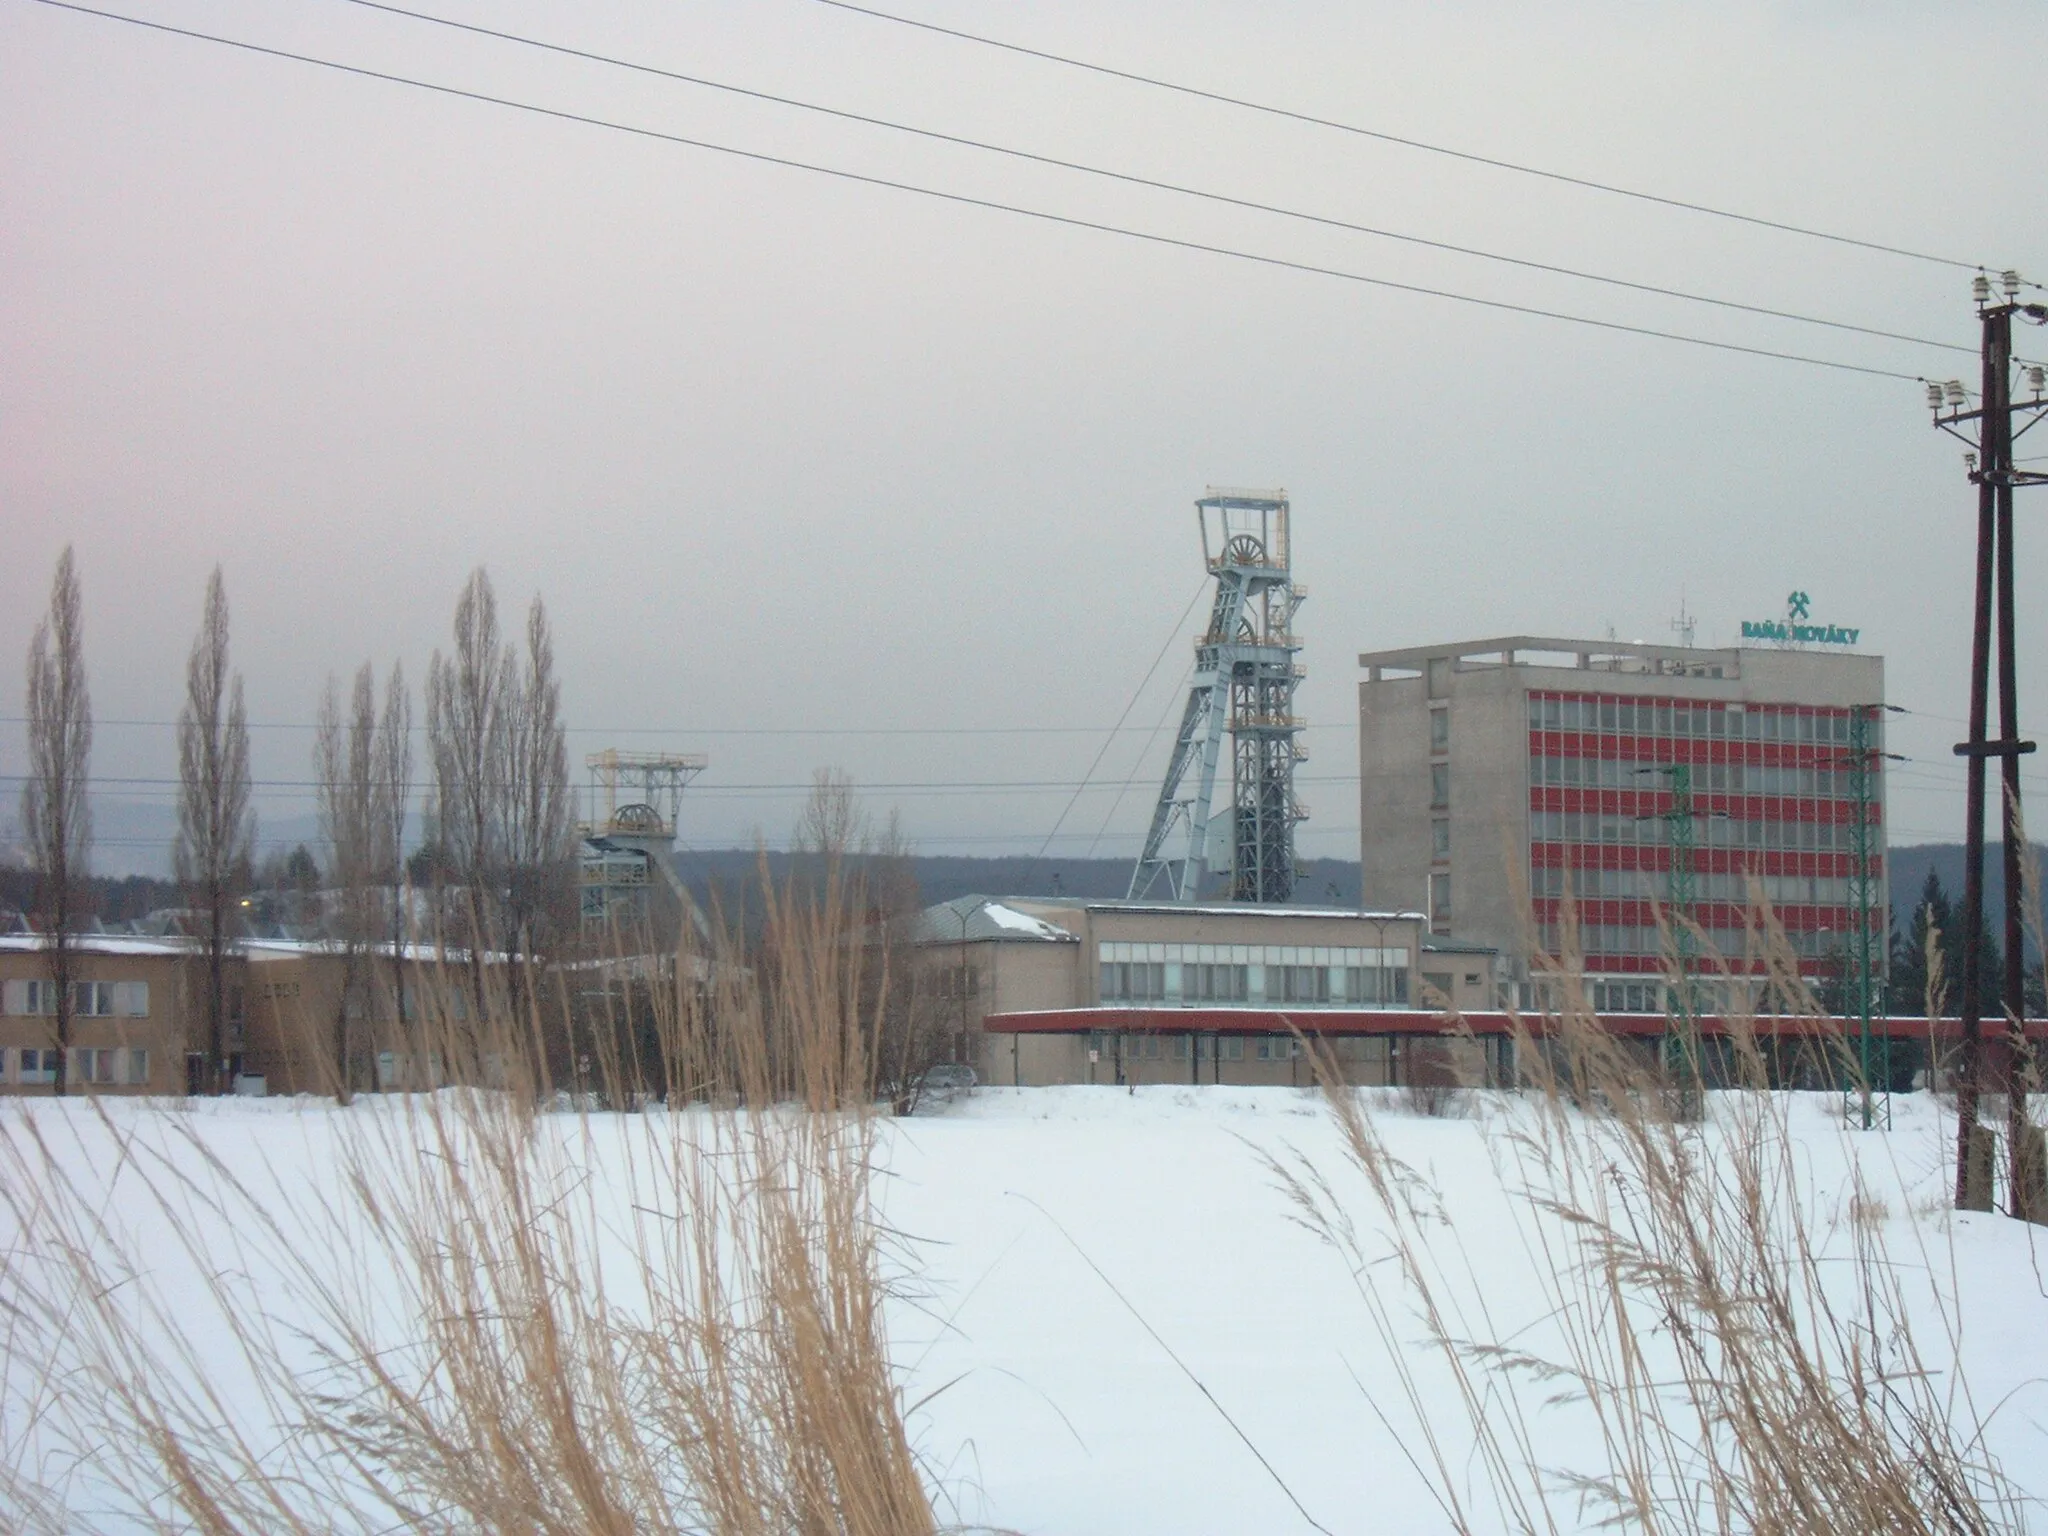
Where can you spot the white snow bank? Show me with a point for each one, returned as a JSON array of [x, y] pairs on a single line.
[[1040, 1225]]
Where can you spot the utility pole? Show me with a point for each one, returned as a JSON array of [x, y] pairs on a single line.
[[1990, 466]]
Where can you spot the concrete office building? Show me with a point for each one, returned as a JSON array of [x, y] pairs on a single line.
[[1497, 775]]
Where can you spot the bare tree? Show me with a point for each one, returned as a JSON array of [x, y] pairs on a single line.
[[501, 771], [344, 769], [54, 814], [216, 827], [393, 769], [467, 697], [537, 806]]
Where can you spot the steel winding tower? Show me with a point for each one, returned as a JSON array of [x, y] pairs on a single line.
[[1246, 671]]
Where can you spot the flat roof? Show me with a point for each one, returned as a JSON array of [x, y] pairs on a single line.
[[1490, 651], [1232, 909], [1417, 1021]]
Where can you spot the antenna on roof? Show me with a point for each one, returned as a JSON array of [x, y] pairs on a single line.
[[1685, 625]]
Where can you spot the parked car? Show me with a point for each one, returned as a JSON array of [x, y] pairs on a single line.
[[939, 1086]]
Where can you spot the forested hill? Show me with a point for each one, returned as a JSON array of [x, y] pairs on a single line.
[[1909, 872]]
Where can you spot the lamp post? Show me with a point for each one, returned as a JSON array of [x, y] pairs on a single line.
[[960, 988]]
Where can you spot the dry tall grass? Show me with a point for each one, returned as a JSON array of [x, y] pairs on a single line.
[[1747, 1360], [472, 1313]]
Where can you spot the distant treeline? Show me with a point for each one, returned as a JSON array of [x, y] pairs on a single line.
[[111, 898], [941, 877]]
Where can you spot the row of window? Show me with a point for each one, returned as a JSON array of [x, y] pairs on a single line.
[[1274, 1048], [1696, 719], [1709, 778], [1162, 981], [1655, 885], [1707, 831], [1149, 1047], [1637, 994], [92, 1066], [1254, 954], [1644, 939], [89, 999]]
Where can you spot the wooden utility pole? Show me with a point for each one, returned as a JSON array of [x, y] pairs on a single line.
[[1991, 470]]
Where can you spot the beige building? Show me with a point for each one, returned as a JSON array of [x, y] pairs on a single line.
[[1070, 991], [1499, 776], [138, 1016], [130, 1016]]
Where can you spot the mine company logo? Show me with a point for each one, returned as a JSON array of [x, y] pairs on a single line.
[[1794, 628]]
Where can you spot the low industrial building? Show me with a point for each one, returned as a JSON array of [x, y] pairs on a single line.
[[1050, 990]]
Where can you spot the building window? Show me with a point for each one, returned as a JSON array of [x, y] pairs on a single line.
[[1216, 983], [91, 1065], [1276, 1048], [1439, 730], [958, 981], [92, 999], [1134, 981], [1439, 785], [1440, 898], [1376, 984], [1297, 983], [1437, 983], [1440, 837], [38, 1066], [138, 1069]]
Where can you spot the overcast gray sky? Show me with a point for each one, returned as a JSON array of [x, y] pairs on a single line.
[[795, 460]]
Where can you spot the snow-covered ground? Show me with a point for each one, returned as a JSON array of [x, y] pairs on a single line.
[[1058, 1249]]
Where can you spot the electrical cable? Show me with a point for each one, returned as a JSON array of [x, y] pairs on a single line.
[[1138, 766], [681, 730], [1407, 143], [1130, 179], [1130, 704], [962, 199]]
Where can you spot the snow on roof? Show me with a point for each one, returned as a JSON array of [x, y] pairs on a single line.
[[967, 919], [1251, 909], [99, 944], [1022, 922]]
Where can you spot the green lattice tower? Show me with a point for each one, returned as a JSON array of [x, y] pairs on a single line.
[[1681, 1048], [1870, 1097]]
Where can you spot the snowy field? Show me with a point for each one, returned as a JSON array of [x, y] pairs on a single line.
[[1057, 1249]]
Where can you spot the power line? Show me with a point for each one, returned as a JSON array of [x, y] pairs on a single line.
[[703, 789], [1407, 143], [691, 730], [1153, 183], [963, 199]]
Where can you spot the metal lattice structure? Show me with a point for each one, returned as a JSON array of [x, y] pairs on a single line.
[[660, 778], [1870, 1094], [635, 802], [1246, 670], [1682, 1052]]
